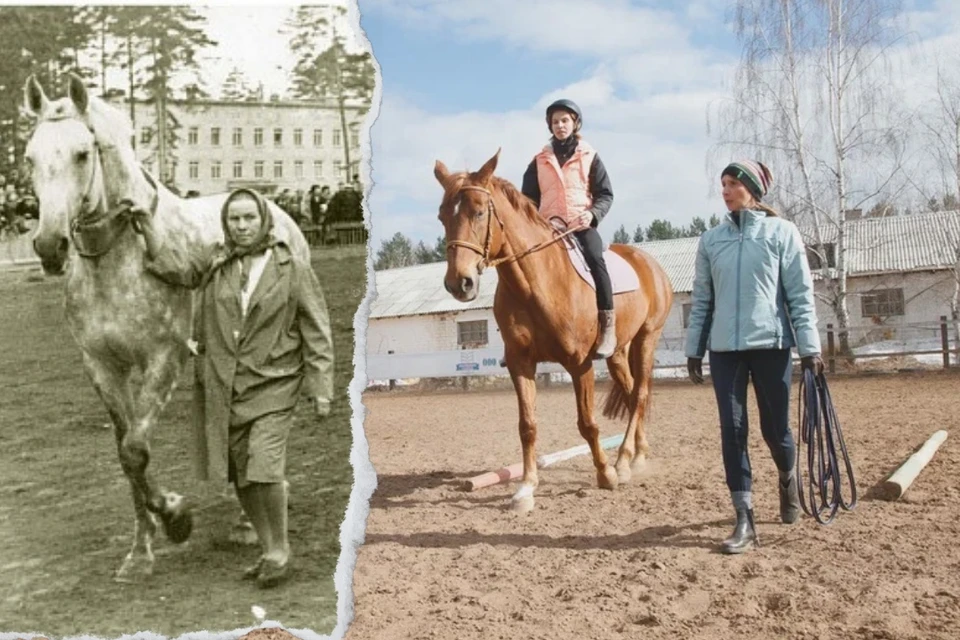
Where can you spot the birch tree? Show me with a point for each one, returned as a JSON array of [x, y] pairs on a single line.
[[813, 98]]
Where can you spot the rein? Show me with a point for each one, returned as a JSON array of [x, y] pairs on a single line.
[[820, 431], [484, 251]]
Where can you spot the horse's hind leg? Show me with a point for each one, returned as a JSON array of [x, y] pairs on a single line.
[[646, 357], [113, 387], [619, 367], [583, 387], [159, 380]]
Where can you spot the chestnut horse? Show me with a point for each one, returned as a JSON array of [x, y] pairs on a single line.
[[547, 313], [128, 324]]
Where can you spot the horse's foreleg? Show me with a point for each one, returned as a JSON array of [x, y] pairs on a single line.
[[114, 390], [159, 380], [583, 387], [523, 375]]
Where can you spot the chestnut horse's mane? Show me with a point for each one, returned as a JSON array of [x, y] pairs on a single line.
[[517, 200]]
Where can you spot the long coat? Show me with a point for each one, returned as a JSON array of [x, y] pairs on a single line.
[[254, 365]]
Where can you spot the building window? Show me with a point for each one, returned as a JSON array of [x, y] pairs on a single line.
[[215, 170], [258, 169], [194, 169], [237, 137], [472, 332], [336, 137], [338, 170], [215, 136], [258, 137], [685, 310], [298, 169], [318, 137], [277, 137], [882, 303], [238, 169], [193, 135], [145, 135], [813, 257], [278, 169], [298, 137], [354, 138], [318, 169]]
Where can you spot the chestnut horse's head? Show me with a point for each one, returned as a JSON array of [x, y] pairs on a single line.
[[473, 228]]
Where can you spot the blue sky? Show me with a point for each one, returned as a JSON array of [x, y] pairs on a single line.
[[462, 78]]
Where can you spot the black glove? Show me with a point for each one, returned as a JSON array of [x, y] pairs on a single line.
[[814, 363], [695, 370]]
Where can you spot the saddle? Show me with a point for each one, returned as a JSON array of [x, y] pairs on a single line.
[[623, 277]]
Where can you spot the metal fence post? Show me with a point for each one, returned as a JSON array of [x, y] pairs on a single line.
[[945, 342]]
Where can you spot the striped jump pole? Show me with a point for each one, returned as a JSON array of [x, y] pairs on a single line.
[[514, 471]]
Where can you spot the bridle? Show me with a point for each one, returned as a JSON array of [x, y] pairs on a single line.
[[94, 231], [484, 251]]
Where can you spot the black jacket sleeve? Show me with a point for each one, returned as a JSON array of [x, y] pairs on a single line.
[[531, 183], [600, 189]]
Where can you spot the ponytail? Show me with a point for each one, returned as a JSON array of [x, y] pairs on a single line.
[[770, 211]]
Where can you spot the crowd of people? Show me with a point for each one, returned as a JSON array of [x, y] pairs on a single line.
[[18, 204], [320, 208]]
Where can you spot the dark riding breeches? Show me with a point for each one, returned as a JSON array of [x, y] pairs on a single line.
[[592, 245]]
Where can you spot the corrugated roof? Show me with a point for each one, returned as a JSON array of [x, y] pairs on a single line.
[[875, 245], [897, 243]]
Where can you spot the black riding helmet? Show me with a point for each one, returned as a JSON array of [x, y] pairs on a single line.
[[566, 105]]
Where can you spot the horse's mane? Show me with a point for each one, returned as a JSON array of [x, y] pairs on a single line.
[[517, 200], [112, 126]]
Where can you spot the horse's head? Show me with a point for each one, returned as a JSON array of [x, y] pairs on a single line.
[[474, 230], [63, 157]]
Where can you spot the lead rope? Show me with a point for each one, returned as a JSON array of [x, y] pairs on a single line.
[[820, 432]]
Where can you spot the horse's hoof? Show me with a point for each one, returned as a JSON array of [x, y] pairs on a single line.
[[607, 479], [639, 463], [624, 472], [177, 525], [133, 569], [522, 505]]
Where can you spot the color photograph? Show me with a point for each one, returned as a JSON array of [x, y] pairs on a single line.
[[664, 337], [183, 258]]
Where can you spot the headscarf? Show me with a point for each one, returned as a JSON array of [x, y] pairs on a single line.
[[263, 241]]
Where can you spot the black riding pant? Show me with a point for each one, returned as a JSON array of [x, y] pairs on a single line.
[[769, 369], [592, 245]]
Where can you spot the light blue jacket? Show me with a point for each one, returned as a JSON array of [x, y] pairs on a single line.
[[751, 283]]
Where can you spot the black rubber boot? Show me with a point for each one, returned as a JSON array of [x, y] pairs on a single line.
[[744, 535], [789, 500]]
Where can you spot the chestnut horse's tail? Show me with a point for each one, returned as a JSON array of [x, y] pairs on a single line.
[[617, 405]]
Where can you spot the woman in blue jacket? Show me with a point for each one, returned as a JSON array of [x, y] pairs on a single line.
[[752, 302]]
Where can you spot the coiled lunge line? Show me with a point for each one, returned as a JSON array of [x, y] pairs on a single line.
[[820, 431]]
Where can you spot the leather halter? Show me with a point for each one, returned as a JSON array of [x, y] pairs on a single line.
[[94, 231], [484, 251]]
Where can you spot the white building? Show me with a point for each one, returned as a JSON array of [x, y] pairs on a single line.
[[270, 146], [901, 273]]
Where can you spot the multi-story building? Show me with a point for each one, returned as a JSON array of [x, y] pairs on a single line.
[[270, 146]]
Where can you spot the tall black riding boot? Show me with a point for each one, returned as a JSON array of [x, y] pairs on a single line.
[[744, 535], [789, 500]]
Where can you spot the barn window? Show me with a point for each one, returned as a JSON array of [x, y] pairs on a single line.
[[472, 332], [686, 315], [882, 303]]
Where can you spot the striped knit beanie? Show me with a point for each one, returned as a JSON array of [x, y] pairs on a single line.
[[753, 174]]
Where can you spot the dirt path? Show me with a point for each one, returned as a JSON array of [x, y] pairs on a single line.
[[642, 561]]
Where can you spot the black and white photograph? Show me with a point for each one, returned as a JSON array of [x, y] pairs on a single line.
[[183, 254]]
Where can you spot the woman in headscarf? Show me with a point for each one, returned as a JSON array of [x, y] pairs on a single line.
[[262, 334]]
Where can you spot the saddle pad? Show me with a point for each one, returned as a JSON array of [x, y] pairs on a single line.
[[623, 277]]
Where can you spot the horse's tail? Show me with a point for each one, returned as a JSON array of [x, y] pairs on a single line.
[[617, 405]]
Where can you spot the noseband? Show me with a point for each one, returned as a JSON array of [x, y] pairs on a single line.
[[484, 251]]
